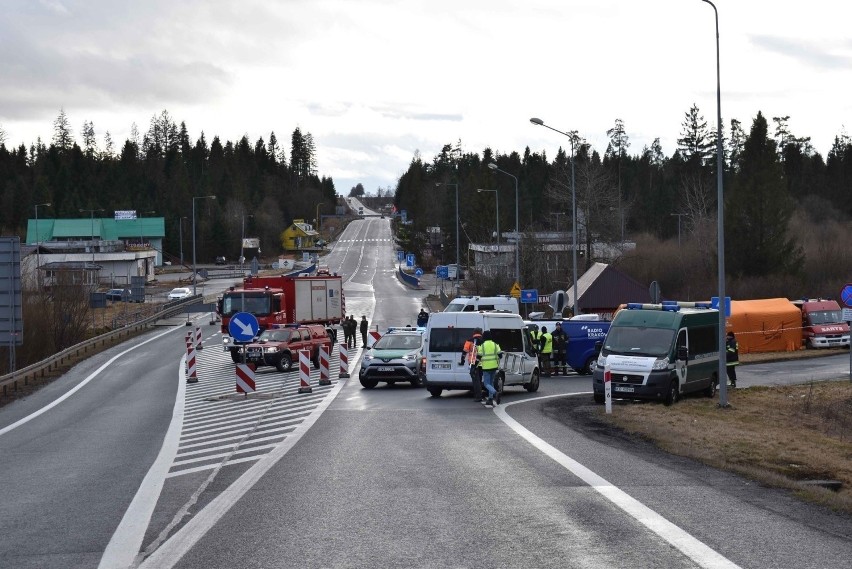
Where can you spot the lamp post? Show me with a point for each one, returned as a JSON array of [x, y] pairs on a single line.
[[243, 240], [141, 238], [92, 213], [572, 135], [458, 270], [194, 271], [720, 224], [180, 230], [679, 215], [494, 167], [38, 242], [497, 198]]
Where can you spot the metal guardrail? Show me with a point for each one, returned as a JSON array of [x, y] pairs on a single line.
[[44, 367]]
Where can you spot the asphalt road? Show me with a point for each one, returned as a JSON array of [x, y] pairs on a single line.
[[191, 476]]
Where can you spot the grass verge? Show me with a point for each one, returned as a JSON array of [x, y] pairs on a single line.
[[778, 436]]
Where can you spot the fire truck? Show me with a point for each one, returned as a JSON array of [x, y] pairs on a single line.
[[279, 300]]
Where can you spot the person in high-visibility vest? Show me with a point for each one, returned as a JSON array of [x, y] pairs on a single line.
[[545, 341], [732, 353], [469, 353], [489, 353]]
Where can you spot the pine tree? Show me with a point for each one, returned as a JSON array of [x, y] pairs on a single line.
[[758, 210], [694, 142], [62, 137]]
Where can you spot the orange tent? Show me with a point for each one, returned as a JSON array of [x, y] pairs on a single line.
[[766, 325]]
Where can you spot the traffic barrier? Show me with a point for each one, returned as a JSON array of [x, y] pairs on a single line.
[[305, 371], [323, 362], [191, 373], [245, 378], [372, 337], [344, 360], [198, 345]]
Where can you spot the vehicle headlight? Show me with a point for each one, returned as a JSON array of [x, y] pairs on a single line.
[[410, 357], [226, 340], [270, 349], [601, 360], [367, 357], [661, 363]]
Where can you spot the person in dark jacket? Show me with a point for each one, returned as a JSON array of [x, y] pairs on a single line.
[[469, 354], [732, 351], [560, 350], [422, 318], [364, 327]]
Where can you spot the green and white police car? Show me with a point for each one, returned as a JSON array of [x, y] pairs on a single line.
[[396, 356]]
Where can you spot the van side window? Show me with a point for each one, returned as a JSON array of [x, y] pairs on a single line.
[[509, 340], [486, 307], [448, 339], [703, 340], [681, 340], [468, 308], [528, 345]]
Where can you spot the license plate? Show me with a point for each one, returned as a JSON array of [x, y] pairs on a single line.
[[442, 366], [624, 389], [385, 368]]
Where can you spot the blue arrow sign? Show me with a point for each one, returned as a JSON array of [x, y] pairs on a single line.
[[529, 296], [409, 260], [400, 255], [418, 272], [243, 327], [443, 271], [846, 295], [714, 303]]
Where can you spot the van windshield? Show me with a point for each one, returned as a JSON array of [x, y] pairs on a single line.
[[639, 341], [825, 317], [455, 306]]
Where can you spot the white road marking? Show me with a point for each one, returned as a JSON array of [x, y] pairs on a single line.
[[696, 550]]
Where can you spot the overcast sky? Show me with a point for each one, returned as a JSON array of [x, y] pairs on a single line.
[[375, 81]]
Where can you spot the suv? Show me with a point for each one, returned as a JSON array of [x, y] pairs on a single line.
[[279, 347], [394, 357], [221, 260], [117, 294]]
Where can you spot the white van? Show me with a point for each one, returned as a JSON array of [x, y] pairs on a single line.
[[477, 303], [444, 368]]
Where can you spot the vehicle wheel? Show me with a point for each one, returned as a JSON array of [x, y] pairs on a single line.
[[369, 383], [532, 386], [599, 398], [435, 391], [590, 366], [235, 357], [499, 383], [285, 363], [671, 394], [710, 391]]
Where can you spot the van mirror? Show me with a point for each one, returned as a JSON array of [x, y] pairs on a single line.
[[682, 353]]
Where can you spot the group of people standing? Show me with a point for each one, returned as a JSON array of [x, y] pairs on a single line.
[[552, 350], [351, 328]]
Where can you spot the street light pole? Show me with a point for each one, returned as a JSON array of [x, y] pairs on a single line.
[[180, 230], [572, 135], [92, 213], [458, 269], [720, 224], [38, 243], [494, 167], [679, 215], [497, 198], [194, 270]]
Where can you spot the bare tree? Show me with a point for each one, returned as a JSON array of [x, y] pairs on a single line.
[[68, 310]]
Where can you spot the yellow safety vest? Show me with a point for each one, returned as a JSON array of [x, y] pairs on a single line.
[[488, 357], [548, 343]]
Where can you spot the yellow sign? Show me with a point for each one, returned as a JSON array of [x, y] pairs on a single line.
[[516, 290]]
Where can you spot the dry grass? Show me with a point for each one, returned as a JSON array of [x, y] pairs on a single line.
[[779, 436]]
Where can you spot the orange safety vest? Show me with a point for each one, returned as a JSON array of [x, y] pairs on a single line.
[[470, 348]]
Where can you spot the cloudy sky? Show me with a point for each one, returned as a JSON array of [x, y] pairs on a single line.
[[376, 81]]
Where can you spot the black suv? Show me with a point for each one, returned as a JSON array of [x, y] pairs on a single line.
[[221, 260]]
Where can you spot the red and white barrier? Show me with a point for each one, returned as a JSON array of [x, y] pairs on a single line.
[[608, 388], [245, 378], [305, 371], [344, 360], [198, 345], [325, 378], [372, 337], [191, 373]]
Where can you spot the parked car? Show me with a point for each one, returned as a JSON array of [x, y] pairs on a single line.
[[117, 294], [179, 293], [279, 347], [396, 356], [221, 260]]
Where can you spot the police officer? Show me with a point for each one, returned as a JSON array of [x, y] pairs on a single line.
[[364, 327], [489, 353], [732, 351], [545, 341], [560, 350]]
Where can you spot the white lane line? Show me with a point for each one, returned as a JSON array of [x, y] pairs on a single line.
[[79, 386], [126, 542], [173, 550], [696, 550]]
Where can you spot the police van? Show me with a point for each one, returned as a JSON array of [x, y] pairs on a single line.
[[583, 337], [660, 352], [477, 303], [444, 366]]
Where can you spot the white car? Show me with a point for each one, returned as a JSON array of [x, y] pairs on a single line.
[[179, 293]]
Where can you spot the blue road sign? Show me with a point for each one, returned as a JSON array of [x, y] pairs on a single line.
[[846, 295], [243, 326], [714, 303], [400, 255], [443, 271], [409, 260], [418, 272], [529, 296]]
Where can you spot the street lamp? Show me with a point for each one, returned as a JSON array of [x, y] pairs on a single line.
[[497, 197], [720, 225], [494, 167], [38, 242], [180, 230], [92, 212], [458, 269], [572, 135], [194, 271], [243, 240]]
